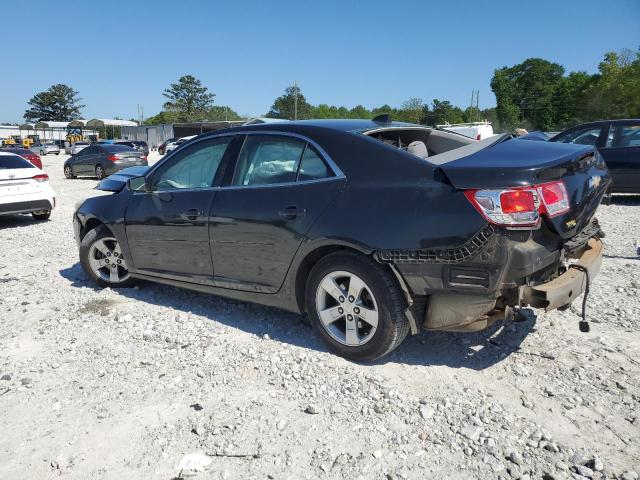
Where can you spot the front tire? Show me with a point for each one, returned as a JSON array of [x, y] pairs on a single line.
[[356, 306], [100, 173], [42, 152], [101, 258]]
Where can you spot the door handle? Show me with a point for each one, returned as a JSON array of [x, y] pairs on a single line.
[[192, 214], [292, 212]]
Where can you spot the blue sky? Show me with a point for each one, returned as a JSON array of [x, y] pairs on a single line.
[[119, 54]]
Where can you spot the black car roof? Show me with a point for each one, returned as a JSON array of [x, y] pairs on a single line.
[[339, 125], [602, 122]]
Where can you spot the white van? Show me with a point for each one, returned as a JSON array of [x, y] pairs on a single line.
[[475, 130]]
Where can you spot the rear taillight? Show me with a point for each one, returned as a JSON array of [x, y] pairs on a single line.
[[41, 178], [554, 198], [113, 158], [143, 157], [520, 206], [478, 137]]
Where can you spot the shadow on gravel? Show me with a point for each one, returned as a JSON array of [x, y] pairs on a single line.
[[627, 199], [475, 351], [17, 221]]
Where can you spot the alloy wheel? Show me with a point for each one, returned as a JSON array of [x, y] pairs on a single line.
[[347, 309], [67, 172], [99, 172], [107, 262]]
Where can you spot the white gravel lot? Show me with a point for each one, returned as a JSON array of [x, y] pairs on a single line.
[[104, 384]]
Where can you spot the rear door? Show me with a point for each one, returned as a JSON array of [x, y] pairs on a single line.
[[621, 152], [83, 162], [167, 227], [280, 185]]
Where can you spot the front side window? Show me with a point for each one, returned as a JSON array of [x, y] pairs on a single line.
[[624, 135], [193, 168], [584, 136], [268, 160]]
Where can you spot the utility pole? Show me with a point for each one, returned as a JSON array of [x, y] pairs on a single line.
[[295, 100]]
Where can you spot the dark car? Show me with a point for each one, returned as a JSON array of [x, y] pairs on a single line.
[[373, 229], [618, 141], [101, 160], [138, 145], [34, 158], [163, 146]]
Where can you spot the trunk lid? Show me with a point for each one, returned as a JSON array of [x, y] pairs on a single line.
[[18, 181], [517, 163], [115, 182]]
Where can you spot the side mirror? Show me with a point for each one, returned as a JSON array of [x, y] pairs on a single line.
[[137, 184]]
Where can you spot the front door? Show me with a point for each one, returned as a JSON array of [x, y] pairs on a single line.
[[82, 162], [167, 224], [280, 186], [622, 156]]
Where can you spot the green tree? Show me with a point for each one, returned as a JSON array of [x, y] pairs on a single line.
[[188, 99], [292, 105], [222, 113], [412, 110], [616, 91], [442, 111], [359, 112], [59, 103], [527, 91]]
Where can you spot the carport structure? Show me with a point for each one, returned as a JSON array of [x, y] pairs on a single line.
[[113, 124]]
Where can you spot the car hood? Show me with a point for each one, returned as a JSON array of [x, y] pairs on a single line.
[[115, 182]]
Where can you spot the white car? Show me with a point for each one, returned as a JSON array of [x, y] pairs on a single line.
[[177, 143], [475, 130], [75, 147], [24, 188]]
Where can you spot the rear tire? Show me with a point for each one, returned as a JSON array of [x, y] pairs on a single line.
[[100, 173], [42, 152], [68, 172], [367, 301], [101, 258], [41, 215]]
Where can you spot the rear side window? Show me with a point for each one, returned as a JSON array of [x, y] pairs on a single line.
[[624, 135], [8, 162], [268, 160], [312, 166]]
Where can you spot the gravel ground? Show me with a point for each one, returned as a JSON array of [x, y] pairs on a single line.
[[157, 382]]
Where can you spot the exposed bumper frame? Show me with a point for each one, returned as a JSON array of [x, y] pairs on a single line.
[[568, 286]]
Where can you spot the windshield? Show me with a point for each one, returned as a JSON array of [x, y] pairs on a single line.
[[117, 148]]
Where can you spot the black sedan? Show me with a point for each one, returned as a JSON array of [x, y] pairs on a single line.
[[100, 160], [618, 141], [371, 228]]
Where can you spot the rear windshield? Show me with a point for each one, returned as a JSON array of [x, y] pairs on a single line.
[[13, 161], [142, 144], [117, 148]]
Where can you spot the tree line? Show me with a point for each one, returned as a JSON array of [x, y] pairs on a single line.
[[535, 94]]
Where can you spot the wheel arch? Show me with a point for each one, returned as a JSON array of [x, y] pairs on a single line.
[[312, 257], [91, 224]]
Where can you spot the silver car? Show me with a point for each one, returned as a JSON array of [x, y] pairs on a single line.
[[45, 148], [76, 147]]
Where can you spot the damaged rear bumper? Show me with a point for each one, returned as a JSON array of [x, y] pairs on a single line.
[[568, 286]]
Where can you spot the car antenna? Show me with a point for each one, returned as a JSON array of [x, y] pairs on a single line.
[[384, 118]]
